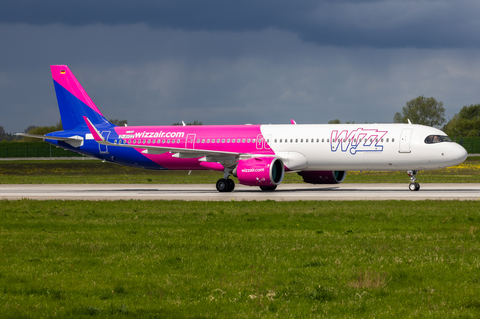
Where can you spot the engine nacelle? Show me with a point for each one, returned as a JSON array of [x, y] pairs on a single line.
[[260, 171], [323, 177]]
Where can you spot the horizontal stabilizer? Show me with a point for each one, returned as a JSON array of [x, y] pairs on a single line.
[[75, 141]]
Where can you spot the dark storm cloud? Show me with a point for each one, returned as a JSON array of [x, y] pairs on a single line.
[[383, 24]]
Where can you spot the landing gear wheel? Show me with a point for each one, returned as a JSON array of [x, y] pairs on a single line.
[[222, 185], [231, 185], [225, 185], [268, 188], [414, 186]]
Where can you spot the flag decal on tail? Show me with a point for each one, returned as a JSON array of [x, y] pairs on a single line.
[[62, 71]]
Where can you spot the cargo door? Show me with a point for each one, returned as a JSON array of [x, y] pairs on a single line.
[[104, 148]]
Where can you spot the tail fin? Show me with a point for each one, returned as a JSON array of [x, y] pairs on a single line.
[[73, 102]]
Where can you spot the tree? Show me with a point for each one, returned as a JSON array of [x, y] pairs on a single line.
[[42, 130], [118, 122], [465, 123], [193, 123], [28, 129], [422, 110], [335, 121]]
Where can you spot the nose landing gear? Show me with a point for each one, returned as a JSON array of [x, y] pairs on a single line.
[[414, 186]]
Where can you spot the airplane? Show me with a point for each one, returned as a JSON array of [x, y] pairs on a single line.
[[257, 155]]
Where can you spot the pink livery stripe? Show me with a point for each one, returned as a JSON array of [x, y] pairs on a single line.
[[63, 76]]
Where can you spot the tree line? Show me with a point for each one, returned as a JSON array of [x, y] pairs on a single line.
[[428, 111]]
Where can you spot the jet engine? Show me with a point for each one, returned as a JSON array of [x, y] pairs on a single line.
[[323, 177], [260, 171]]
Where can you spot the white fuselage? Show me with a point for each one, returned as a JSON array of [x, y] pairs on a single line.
[[379, 147]]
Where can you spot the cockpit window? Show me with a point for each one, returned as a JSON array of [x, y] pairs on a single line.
[[437, 139]]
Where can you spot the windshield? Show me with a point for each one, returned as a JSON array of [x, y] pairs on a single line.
[[437, 139]]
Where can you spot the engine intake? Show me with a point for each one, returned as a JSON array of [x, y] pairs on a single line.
[[260, 171], [323, 177]]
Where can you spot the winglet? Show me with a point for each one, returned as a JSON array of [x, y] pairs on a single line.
[[93, 130], [293, 122]]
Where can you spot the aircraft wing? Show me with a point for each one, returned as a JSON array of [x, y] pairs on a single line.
[[205, 155]]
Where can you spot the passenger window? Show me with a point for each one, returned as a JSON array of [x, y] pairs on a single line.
[[218, 140], [203, 140], [393, 140], [233, 140], [323, 140], [168, 141], [208, 140], [178, 141], [296, 140], [301, 141], [243, 141], [248, 141], [253, 140], [238, 140], [198, 141], [223, 140], [387, 139], [306, 140], [328, 140]]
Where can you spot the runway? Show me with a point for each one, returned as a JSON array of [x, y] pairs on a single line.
[[207, 192]]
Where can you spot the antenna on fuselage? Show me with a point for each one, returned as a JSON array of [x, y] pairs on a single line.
[[409, 121]]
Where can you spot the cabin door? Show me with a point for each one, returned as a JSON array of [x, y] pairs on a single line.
[[405, 141]]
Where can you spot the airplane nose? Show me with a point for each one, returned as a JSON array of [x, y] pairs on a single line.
[[459, 154]]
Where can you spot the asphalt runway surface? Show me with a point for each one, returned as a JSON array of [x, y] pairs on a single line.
[[207, 192]]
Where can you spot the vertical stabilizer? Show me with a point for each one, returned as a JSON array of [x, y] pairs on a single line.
[[73, 102]]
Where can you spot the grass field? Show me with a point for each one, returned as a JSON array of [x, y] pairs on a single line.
[[81, 171], [172, 259]]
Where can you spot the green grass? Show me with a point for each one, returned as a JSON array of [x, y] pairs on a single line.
[[172, 259], [93, 171]]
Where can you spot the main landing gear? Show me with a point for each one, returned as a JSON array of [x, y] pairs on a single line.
[[414, 186], [225, 185]]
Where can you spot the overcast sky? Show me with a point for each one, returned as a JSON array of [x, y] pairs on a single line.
[[236, 62]]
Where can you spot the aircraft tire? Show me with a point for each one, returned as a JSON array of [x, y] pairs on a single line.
[[414, 186], [222, 185], [231, 185], [268, 188]]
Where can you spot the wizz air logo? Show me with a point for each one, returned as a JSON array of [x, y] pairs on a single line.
[[359, 140]]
